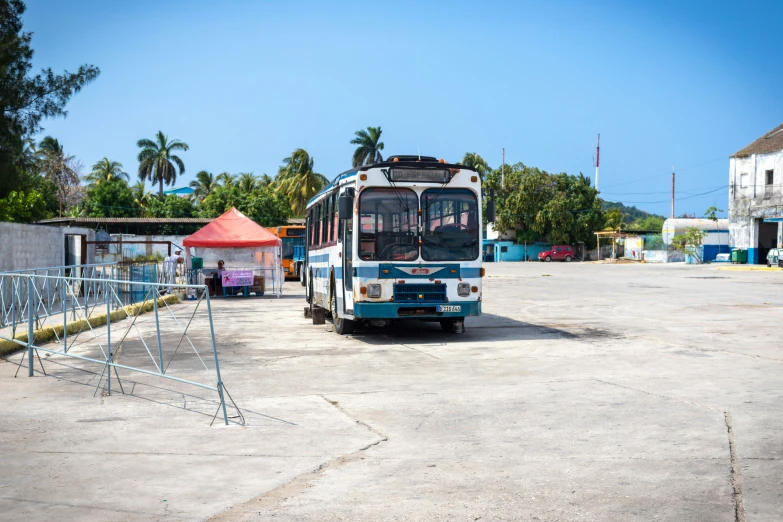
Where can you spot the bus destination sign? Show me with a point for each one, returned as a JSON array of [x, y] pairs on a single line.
[[422, 175]]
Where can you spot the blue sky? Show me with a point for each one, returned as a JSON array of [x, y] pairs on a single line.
[[246, 83]]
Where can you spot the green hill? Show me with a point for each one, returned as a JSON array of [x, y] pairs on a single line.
[[634, 213]]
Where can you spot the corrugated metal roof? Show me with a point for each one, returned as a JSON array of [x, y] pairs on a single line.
[[770, 142]]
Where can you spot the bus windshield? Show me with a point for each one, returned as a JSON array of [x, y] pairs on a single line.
[[450, 227], [288, 246], [389, 224]]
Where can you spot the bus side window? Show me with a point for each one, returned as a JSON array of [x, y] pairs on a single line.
[[317, 230], [321, 210], [328, 235], [309, 228], [334, 223], [327, 219], [338, 224], [338, 230]]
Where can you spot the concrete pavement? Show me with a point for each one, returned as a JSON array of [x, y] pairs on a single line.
[[585, 392]]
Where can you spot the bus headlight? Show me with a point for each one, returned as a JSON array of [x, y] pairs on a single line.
[[373, 290], [463, 289]]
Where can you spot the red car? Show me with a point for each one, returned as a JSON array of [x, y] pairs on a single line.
[[557, 253]]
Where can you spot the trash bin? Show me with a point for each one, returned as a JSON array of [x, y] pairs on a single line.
[[739, 255], [196, 263]]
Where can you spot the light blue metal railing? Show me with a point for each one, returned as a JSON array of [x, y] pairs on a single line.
[[25, 293]]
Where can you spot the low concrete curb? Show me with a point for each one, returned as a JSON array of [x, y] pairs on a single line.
[[47, 334]]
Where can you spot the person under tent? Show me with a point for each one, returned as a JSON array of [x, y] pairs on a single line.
[[170, 265]]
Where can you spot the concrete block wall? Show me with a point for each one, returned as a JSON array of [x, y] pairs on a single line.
[[35, 246]]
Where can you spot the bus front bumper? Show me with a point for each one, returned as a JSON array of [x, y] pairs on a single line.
[[414, 310]]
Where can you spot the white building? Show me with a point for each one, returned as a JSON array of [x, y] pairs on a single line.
[[716, 238], [756, 196]]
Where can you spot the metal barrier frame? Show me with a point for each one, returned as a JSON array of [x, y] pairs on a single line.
[[107, 288]]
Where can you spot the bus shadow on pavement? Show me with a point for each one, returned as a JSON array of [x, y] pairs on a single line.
[[486, 327]]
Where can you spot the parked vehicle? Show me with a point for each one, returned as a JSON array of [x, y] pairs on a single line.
[[557, 253], [775, 257], [293, 238], [396, 240]]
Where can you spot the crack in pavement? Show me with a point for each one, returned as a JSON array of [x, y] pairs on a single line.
[[252, 508], [336, 405], [736, 471], [660, 396]]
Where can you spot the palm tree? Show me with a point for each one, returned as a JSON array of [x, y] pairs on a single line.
[[62, 170], [614, 221], [247, 182], [298, 181], [105, 170], [155, 160], [477, 163], [227, 179], [264, 181], [203, 185], [369, 146], [140, 194]]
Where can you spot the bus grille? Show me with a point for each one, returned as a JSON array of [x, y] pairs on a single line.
[[408, 293]]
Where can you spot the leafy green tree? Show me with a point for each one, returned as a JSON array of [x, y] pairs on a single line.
[[170, 206], [634, 214], [650, 222], [203, 185], [477, 163], [711, 213], [298, 181], [110, 199], [369, 146], [106, 170], [26, 99], [689, 242], [157, 161], [219, 200], [22, 208], [264, 205], [537, 205]]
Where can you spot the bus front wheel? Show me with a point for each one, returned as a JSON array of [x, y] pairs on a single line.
[[453, 325], [341, 326]]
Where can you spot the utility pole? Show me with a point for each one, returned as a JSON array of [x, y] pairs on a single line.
[[503, 168], [597, 159], [672, 190]]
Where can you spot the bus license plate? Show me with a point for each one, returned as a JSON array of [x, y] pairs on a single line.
[[448, 308]]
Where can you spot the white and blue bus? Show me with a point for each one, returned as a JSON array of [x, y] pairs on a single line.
[[396, 240]]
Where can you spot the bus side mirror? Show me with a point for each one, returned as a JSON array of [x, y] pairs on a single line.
[[345, 208], [491, 211]]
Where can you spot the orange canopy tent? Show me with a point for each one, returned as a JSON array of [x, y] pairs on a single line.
[[232, 229], [242, 244]]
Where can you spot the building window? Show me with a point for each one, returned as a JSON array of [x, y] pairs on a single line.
[[769, 176], [743, 181]]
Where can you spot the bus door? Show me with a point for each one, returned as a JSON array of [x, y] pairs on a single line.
[[347, 252]]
